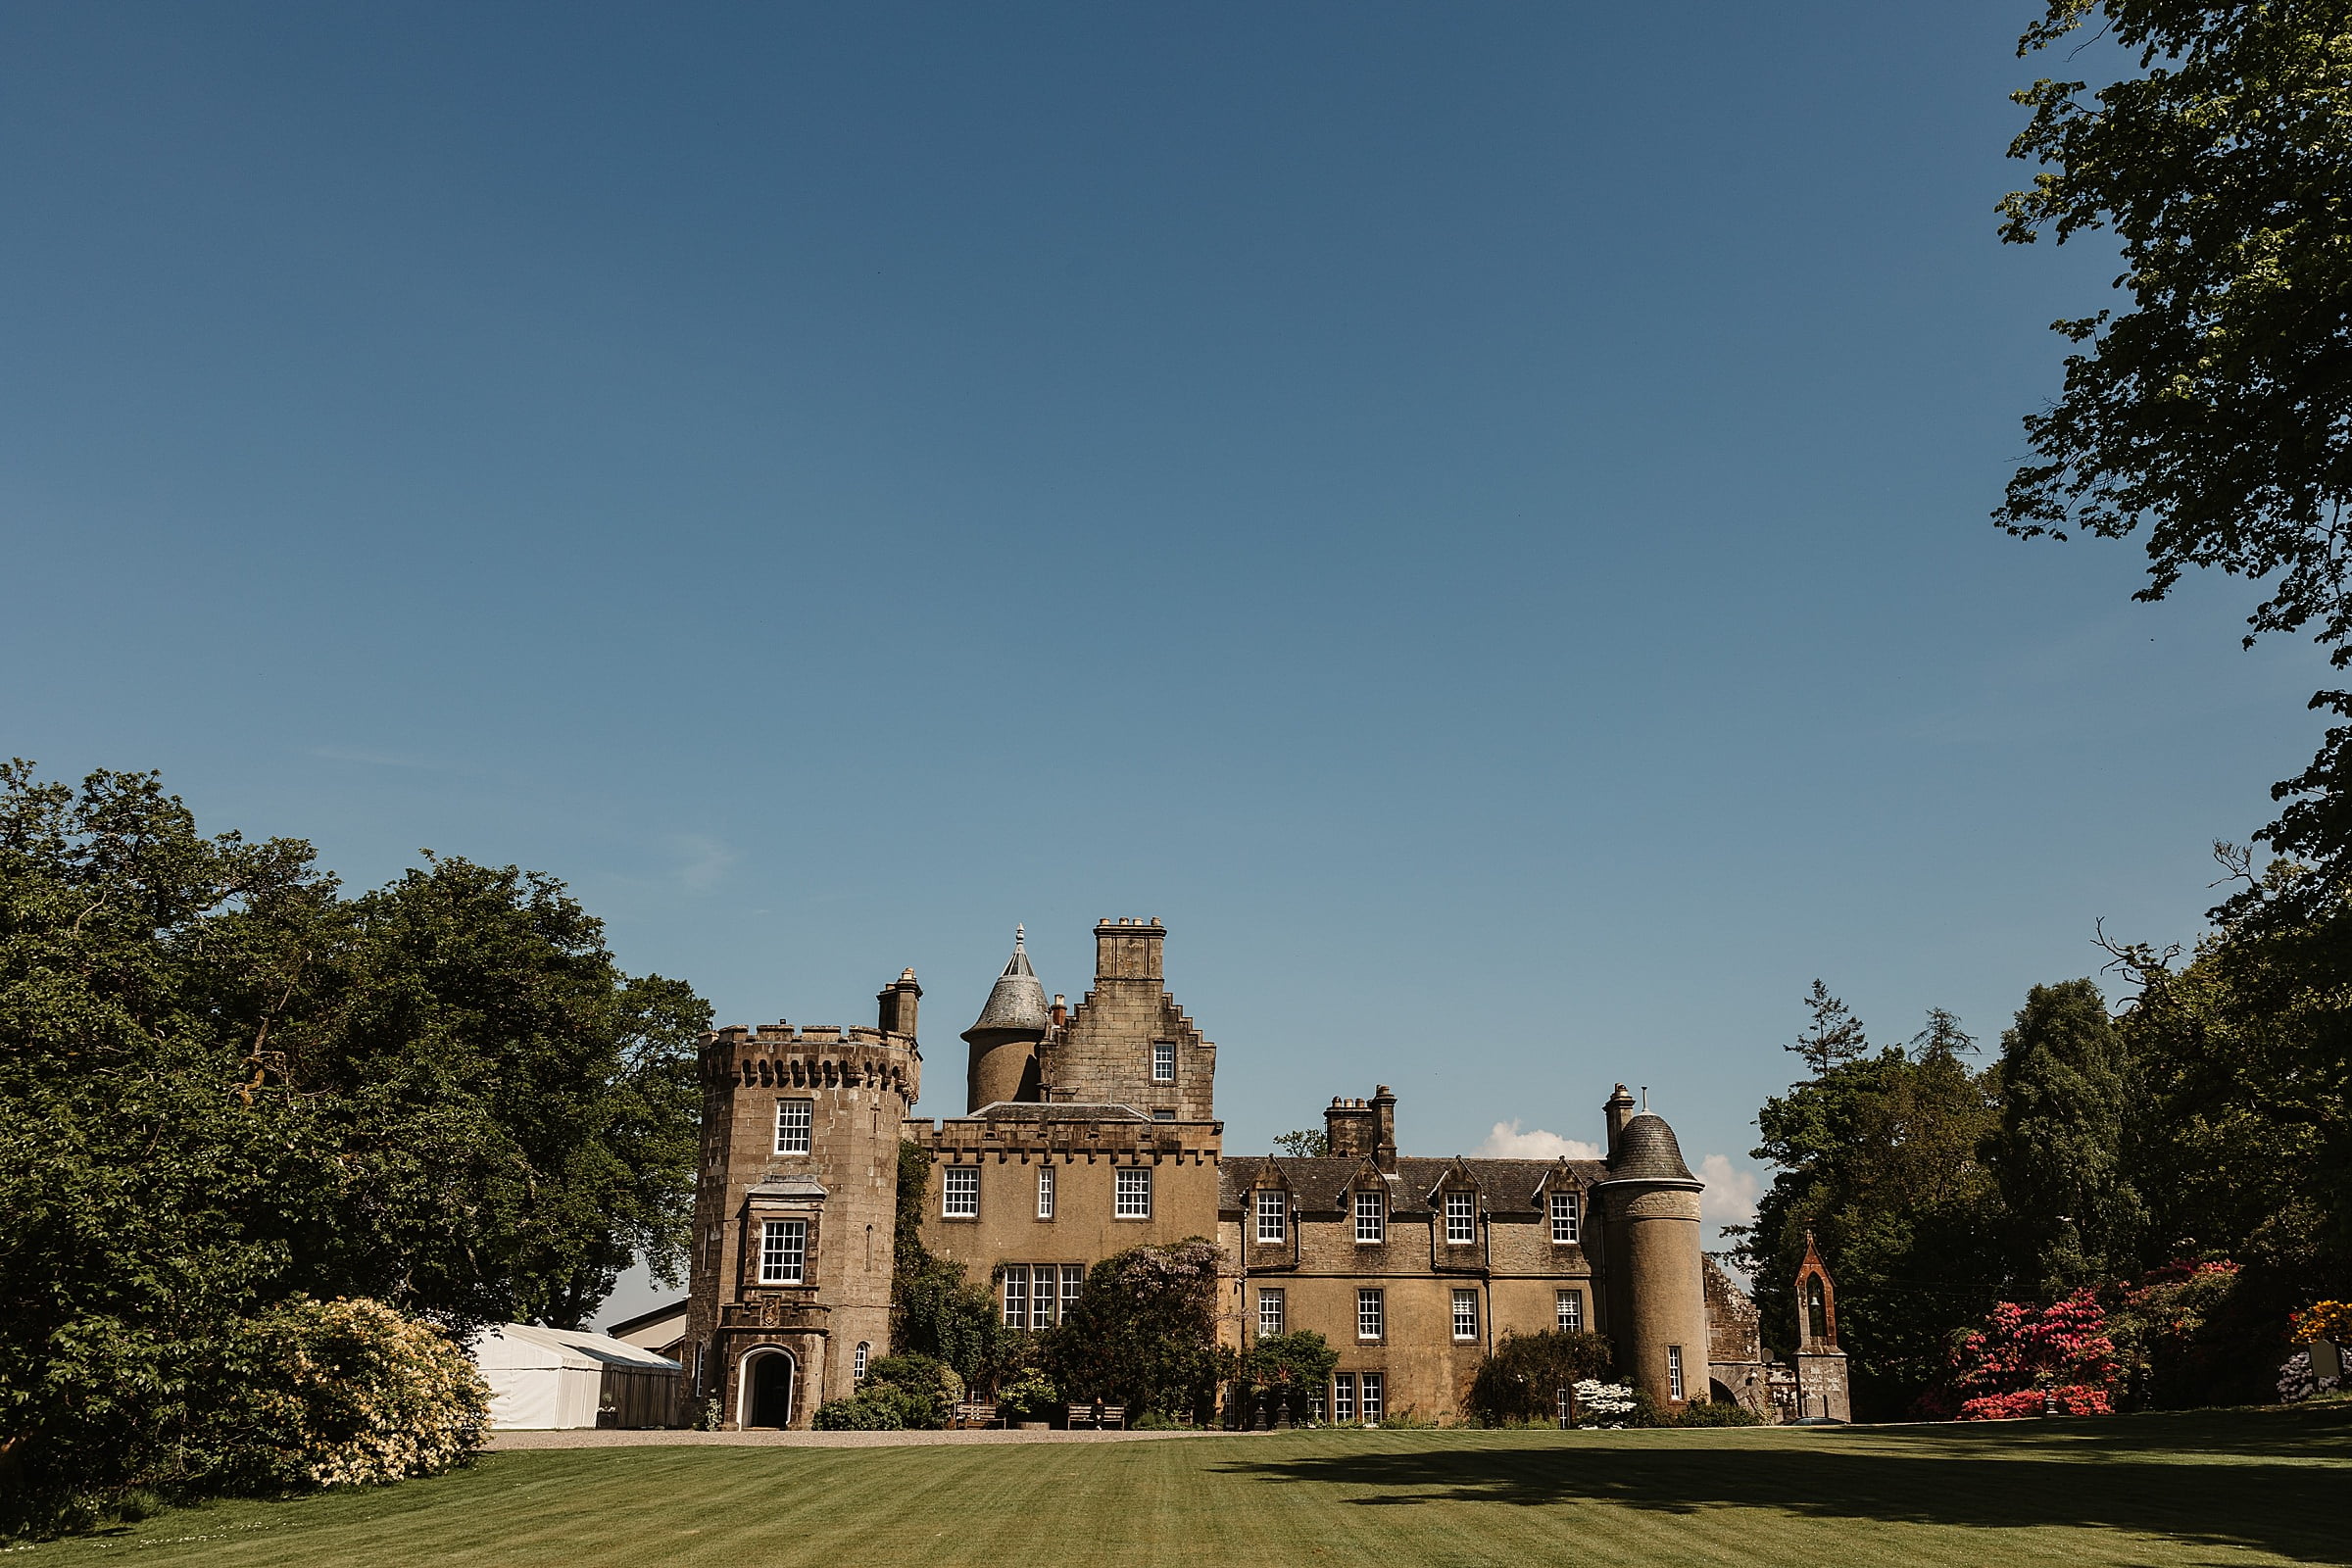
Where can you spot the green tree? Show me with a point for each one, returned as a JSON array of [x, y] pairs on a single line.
[[2244, 1054], [1143, 1332], [936, 1310], [2215, 413], [1833, 1038], [222, 1084], [1520, 1378], [1307, 1143], [1279, 1373], [1877, 1157], [2060, 1153], [519, 1117]]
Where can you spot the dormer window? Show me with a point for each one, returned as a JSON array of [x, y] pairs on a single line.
[[1273, 1217], [1565, 1213], [1371, 1217], [1461, 1218]]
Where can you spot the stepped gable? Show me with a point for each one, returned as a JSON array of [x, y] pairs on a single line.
[[1103, 1050]]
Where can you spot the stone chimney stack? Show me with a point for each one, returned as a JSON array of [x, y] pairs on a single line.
[[1347, 1126], [898, 1001], [1619, 1110], [1129, 949], [1384, 1127]]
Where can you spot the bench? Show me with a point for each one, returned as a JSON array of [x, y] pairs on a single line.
[[977, 1413], [1083, 1415]]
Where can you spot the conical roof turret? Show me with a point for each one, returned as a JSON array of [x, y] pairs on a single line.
[[1016, 1004], [1647, 1152]]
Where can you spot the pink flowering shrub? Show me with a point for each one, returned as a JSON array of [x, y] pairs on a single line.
[[2024, 1356]]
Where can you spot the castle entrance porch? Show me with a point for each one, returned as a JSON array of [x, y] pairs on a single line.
[[768, 1375]]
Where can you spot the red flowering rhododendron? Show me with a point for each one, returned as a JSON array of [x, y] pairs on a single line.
[[2025, 1359]]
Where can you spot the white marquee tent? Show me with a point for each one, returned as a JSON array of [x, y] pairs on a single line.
[[552, 1378]]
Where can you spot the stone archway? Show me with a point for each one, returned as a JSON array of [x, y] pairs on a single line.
[[771, 1375]]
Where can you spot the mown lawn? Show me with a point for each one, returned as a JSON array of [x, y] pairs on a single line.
[[2229, 1486]]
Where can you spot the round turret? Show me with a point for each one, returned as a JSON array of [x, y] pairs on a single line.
[[1004, 1037], [1655, 1262]]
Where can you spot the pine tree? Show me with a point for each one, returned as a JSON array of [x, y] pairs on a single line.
[[1836, 1036]]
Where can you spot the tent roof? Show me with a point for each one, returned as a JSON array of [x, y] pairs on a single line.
[[517, 1346]]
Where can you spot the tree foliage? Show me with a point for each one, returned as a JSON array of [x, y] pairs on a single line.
[[1833, 1038], [1520, 1378], [2065, 1085], [936, 1310], [2217, 412], [2244, 1059], [1279, 1374], [1877, 1157], [224, 1084], [1142, 1332]]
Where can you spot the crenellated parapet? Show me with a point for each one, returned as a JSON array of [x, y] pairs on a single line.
[[972, 1141], [811, 1057]]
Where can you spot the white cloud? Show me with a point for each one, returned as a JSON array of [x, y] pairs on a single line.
[[1730, 1194], [1507, 1142]]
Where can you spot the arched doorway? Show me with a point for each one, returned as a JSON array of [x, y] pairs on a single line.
[[767, 1379]]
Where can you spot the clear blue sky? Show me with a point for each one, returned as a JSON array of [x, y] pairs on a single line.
[[1475, 516]]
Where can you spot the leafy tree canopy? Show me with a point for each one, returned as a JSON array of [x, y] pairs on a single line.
[[2215, 413], [2060, 1153], [223, 1083], [1877, 1155], [1143, 1332]]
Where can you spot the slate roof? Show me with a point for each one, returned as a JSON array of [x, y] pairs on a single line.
[[1056, 1110], [1016, 1004], [1647, 1152], [1317, 1184]]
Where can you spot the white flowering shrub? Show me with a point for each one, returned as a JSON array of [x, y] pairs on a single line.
[[347, 1393], [1603, 1405], [2296, 1382]]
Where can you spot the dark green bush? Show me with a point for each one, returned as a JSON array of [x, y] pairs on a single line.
[[1713, 1413], [886, 1407], [1277, 1375], [924, 1388], [1520, 1376]]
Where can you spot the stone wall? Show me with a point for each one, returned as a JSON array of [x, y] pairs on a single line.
[[1083, 1155]]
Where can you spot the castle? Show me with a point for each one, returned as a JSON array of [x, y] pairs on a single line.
[[1092, 1129]]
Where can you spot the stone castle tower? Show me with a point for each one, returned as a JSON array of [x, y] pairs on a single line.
[[1654, 1269], [794, 1217], [1126, 1043]]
